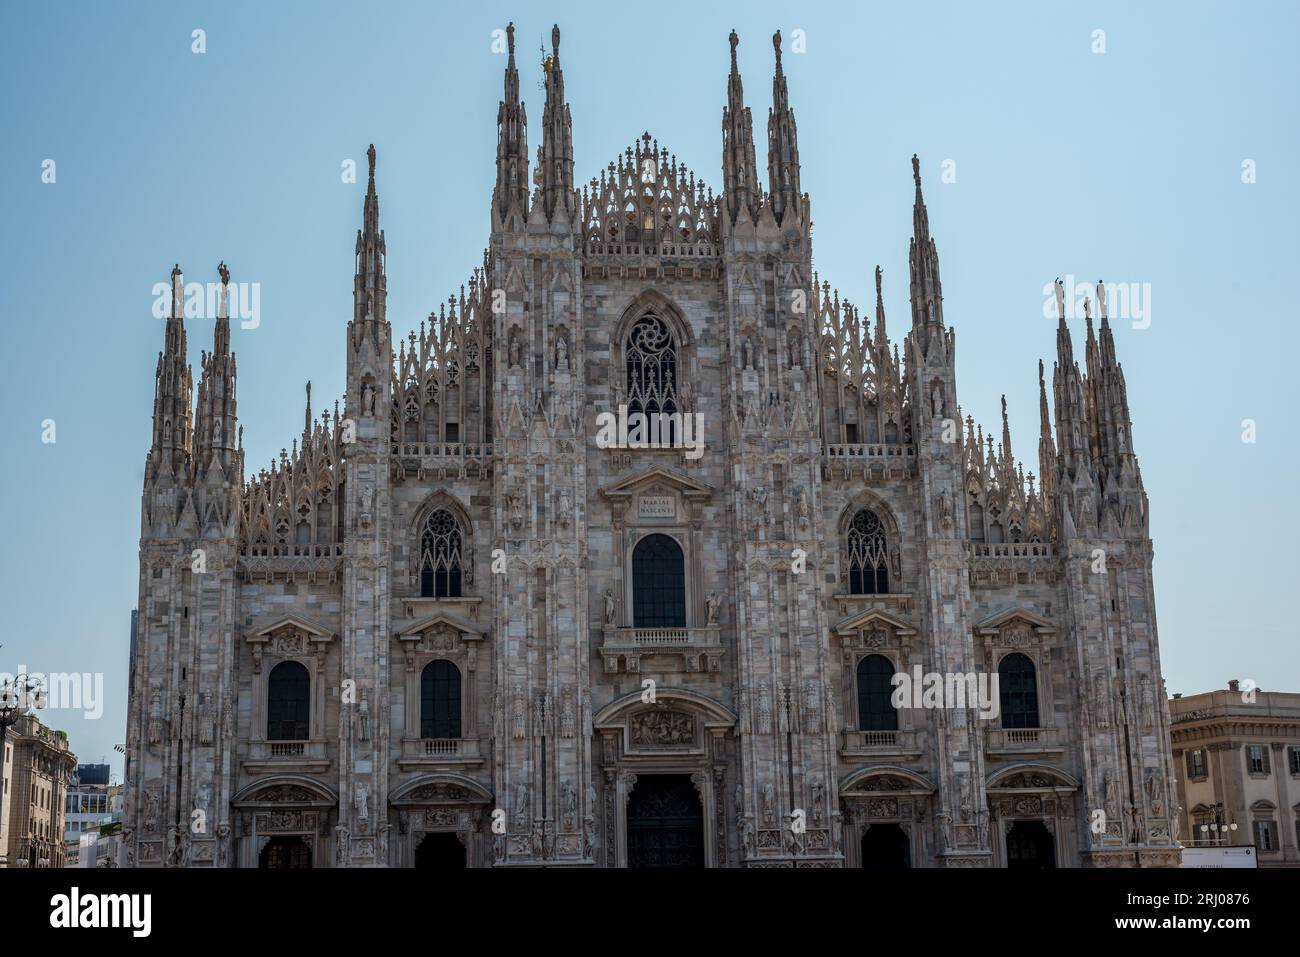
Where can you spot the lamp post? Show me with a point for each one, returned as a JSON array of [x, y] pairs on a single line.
[[19, 696], [1218, 827]]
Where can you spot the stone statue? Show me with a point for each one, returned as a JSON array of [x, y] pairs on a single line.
[[711, 608], [514, 352], [936, 399], [361, 801], [1060, 298], [562, 353], [801, 508], [364, 718], [521, 806], [610, 606]]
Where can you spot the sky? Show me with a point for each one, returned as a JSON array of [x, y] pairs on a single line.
[[1160, 152]]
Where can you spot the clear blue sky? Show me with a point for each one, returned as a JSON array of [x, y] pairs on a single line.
[[1124, 165]]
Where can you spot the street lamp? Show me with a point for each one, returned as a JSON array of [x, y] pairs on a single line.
[[18, 697], [1218, 827]]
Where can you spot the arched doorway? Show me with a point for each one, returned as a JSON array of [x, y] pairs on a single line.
[[886, 846], [440, 850], [1030, 845], [665, 823], [285, 852]]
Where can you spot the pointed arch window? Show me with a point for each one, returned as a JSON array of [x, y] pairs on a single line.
[[288, 705], [868, 555], [440, 551], [440, 700], [876, 711], [651, 367], [1018, 692]]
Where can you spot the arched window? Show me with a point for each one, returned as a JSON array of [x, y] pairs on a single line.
[[658, 583], [440, 700], [651, 367], [440, 556], [875, 687], [1018, 692], [975, 519], [868, 558], [288, 705]]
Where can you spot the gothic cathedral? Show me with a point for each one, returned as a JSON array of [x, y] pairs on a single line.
[[456, 627]]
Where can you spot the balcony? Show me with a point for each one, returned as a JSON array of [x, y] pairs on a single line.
[[444, 459], [699, 649], [1023, 741], [1012, 563], [879, 743], [875, 450], [429, 753], [1011, 550], [268, 757]]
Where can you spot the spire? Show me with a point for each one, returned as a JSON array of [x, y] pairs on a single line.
[[738, 165], [923, 262], [216, 424], [510, 196], [1007, 459], [1046, 449], [173, 388], [782, 144], [1067, 384], [555, 155], [881, 335], [369, 293]]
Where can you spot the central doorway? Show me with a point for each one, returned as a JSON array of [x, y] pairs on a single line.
[[665, 823], [441, 850], [886, 846], [285, 853], [1030, 845]]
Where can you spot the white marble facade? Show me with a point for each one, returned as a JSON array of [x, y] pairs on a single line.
[[455, 520]]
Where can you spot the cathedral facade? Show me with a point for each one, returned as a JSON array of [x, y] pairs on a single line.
[[461, 623]]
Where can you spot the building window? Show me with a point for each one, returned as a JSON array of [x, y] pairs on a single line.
[[658, 583], [440, 700], [1295, 760], [1018, 691], [868, 558], [1265, 838], [288, 702], [440, 556], [1196, 764], [651, 367], [1257, 759], [876, 711]]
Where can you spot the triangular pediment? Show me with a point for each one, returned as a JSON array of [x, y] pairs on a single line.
[[870, 618], [315, 631], [438, 620], [657, 475], [995, 623]]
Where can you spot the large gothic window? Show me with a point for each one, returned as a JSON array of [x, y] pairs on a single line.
[[658, 583], [876, 711], [868, 556], [288, 705], [440, 700], [440, 556], [651, 367], [1018, 692]]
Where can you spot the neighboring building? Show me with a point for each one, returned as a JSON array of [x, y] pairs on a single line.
[[1237, 756], [441, 609], [89, 800], [38, 773]]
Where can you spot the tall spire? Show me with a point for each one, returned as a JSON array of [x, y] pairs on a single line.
[[782, 145], [1067, 384], [1046, 449], [173, 388], [738, 165], [923, 263], [370, 288], [216, 421], [510, 195], [555, 155], [881, 336]]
